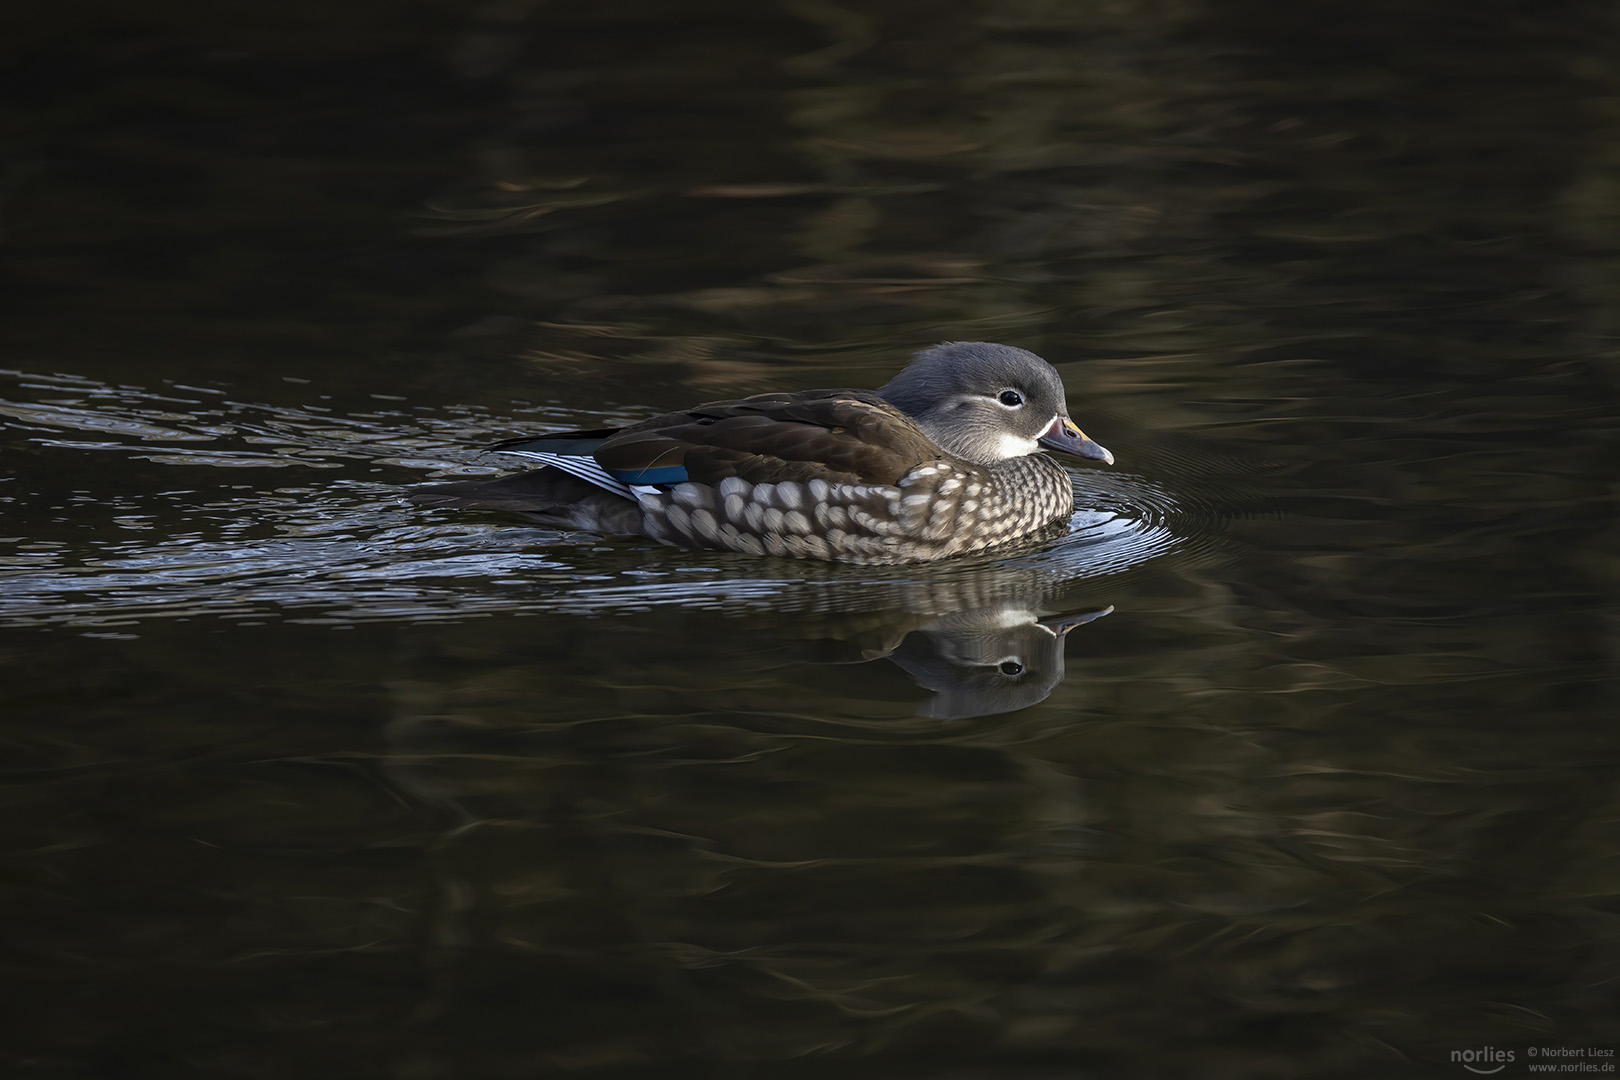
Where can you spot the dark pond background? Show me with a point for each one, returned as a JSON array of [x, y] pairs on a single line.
[[299, 780]]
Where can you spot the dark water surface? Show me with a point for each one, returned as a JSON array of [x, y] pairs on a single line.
[[300, 780]]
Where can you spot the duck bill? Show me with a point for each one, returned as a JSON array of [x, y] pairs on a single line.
[[1059, 625], [1064, 436]]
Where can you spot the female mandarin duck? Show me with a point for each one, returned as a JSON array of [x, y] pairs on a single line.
[[941, 460]]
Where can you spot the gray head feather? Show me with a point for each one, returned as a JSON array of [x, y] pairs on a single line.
[[956, 393]]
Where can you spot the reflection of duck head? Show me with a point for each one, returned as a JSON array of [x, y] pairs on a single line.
[[987, 661]]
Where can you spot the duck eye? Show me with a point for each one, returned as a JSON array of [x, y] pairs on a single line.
[[1010, 398], [1010, 667]]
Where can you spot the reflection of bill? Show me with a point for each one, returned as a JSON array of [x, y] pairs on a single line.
[[989, 661]]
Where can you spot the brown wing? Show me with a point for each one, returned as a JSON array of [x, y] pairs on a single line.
[[841, 436]]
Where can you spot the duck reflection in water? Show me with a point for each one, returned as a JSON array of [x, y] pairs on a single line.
[[989, 661], [974, 637], [980, 661]]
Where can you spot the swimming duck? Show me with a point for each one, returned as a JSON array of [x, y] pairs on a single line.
[[941, 460]]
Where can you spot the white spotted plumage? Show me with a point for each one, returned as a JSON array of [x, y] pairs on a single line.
[[934, 510]]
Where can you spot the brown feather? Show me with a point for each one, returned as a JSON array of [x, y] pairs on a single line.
[[842, 436]]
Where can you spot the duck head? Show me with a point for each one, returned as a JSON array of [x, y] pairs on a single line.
[[987, 403]]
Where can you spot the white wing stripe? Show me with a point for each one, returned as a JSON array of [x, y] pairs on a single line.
[[583, 467]]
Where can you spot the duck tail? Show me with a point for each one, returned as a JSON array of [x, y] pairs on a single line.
[[546, 496]]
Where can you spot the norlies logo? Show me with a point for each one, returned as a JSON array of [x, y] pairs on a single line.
[[1484, 1061]]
